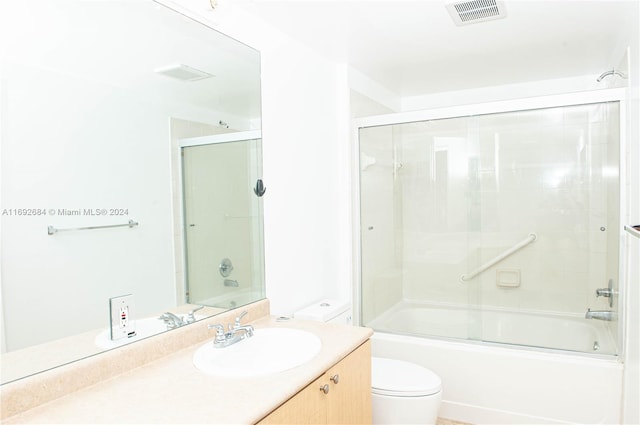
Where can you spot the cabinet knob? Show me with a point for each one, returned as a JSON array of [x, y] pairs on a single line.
[[325, 388], [335, 378]]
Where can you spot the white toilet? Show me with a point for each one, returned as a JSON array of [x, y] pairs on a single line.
[[404, 393], [401, 392], [328, 311]]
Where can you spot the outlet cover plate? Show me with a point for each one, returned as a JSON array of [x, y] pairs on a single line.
[[121, 311]]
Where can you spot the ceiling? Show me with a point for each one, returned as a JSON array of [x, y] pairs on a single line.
[[414, 48], [122, 44]]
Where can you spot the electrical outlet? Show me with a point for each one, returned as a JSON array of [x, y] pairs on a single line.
[[121, 310]]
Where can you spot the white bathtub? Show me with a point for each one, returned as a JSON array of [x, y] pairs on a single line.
[[506, 384], [233, 299], [556, 331]]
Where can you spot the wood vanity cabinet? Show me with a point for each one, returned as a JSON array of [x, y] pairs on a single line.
[[342, 395]]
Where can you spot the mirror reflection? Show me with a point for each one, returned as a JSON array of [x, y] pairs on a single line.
[[223, 232], [97, 102]]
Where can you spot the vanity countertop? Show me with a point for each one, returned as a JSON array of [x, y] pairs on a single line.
[[172, 391], [26, 361]]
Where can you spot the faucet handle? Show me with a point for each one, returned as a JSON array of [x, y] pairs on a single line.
[[237, 321], [220, 337], [191, 314], [604, 292]]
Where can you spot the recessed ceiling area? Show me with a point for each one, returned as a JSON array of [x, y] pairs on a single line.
[[414, 47]]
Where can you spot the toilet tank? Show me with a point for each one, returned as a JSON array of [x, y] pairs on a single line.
[[328, 311]]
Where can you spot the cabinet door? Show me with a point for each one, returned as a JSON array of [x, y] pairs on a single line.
[[308, 407], [346, 401], [349, 400]]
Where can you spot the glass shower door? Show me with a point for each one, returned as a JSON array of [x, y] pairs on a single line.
[[493, 227], [414, 213], [549, 211], [223, 223]]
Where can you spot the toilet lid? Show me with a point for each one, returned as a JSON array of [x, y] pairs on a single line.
[[404, 379]]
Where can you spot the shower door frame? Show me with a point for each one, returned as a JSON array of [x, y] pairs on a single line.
[[181, 241], [478, 109]]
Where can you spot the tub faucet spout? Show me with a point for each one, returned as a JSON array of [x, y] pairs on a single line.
[[600, 315]]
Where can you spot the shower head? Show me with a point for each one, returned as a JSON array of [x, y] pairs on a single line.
[[612, 72]]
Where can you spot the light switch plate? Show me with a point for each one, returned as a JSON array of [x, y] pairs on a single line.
[[121, 311]]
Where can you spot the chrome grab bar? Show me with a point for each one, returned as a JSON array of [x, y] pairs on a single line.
[[529, 239], [52, 230]]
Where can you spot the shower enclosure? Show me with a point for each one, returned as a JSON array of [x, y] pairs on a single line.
[[222, 210], [498, 223]]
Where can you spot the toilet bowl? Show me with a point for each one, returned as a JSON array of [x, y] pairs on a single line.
[[401, 392], [404, 393]]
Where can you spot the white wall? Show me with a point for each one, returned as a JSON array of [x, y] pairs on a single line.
[[631, 393], [305, 164], [506, 92]]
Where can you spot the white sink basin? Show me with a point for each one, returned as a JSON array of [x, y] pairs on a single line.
[[269, 350]]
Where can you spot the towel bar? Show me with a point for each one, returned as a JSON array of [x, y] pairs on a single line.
[[52, 230]]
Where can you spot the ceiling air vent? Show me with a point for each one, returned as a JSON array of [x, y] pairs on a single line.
[[474, 11]]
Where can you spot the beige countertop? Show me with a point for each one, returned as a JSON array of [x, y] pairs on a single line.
[[172, 390], [24, 362]]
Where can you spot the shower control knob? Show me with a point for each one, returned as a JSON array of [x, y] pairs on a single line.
[[325, 388], [604, 292], [226, 267], [607, 292], [335, 378]]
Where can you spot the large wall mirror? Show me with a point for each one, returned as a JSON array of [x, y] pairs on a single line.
[[101, 103]]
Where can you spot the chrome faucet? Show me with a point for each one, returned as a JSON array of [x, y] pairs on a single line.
[[247, 329], [231, 282], [235, 333], [601, 315], [173, 321]]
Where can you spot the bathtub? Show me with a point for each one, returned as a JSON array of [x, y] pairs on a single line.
[[233, 299], [502, 382], [557, 331]]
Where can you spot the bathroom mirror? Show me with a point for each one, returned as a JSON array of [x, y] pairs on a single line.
[[96, 99], [222, 216]]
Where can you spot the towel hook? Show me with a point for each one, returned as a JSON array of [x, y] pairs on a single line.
[[260, 188]]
